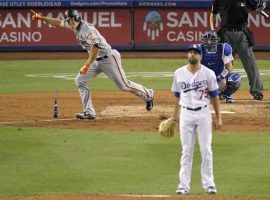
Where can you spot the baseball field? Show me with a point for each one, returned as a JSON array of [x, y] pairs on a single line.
[[120, 155]]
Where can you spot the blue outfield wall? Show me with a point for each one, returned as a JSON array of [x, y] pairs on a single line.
[[180, 31]]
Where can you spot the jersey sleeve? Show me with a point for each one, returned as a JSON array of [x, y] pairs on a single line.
[[227, 53]]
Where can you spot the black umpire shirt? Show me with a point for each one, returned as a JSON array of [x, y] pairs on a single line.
[[233, 13]]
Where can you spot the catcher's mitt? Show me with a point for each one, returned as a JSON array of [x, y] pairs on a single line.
[[168, 127]]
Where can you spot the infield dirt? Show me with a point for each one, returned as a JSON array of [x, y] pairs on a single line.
[[120, 111]]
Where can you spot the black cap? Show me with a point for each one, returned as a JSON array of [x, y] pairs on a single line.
[[72, 13]]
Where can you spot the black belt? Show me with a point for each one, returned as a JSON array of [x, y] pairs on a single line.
[[102, 58], [194, 109], [234, 29]]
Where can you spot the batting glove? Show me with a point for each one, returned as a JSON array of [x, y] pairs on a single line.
[[36, 16], [84, 69]]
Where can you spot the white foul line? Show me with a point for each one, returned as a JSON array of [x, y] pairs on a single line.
[[43, 120]]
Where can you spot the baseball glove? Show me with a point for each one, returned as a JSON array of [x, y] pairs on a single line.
[[168, 127]]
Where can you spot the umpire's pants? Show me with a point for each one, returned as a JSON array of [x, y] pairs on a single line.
[[239, 43]]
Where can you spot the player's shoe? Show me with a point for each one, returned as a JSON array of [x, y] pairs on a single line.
[[84, 115], [181, 191], [211, 190], [258, 97], [229, 99], [150, 103]]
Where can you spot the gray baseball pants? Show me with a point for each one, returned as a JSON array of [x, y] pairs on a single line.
[[112, 67], [239, 43]]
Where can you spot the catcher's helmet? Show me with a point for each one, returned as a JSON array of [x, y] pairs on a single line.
[[210, 41], [71, 13]]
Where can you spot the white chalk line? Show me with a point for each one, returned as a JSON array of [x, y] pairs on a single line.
[[71, 76], [42, 120], [74, 119], [146, 195]]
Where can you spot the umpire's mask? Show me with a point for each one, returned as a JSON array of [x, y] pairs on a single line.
[[210, 41]]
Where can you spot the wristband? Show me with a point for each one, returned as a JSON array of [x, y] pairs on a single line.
[[87, 65]]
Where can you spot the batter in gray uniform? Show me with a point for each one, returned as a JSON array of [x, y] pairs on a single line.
[[102, 58]]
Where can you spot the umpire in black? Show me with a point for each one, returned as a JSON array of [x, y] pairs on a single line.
[[234, 31]]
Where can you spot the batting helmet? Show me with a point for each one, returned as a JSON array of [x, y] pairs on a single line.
[[71, 13], [210, 41]]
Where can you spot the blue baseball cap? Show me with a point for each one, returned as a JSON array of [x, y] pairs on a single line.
[[196, 47]]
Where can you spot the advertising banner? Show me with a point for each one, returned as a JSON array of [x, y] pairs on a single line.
[[174, 27], [18, 29]]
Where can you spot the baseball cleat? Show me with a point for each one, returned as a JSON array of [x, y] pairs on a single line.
[[150, 103], [181, 191], [84, 115], [229, 99], [258, 97], [211, 190]]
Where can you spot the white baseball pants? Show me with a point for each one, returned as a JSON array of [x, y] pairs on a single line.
[[192, 123]]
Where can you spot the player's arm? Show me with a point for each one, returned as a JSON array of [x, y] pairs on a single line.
[[229, 66], [227, 58], [52, 21], [93, 52], [176, 106], [213, 14], [212, 21], [216, 106]]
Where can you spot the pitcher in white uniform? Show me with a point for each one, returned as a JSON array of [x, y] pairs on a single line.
[[102, 58], [194, 87]]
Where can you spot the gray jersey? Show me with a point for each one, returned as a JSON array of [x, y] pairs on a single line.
[[87, 36]]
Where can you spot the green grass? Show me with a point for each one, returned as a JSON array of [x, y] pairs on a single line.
[[37, 161], [13, 79]]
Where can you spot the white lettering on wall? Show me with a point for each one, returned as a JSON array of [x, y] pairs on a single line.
[[176, 20], [14, 37], [105, 19], [189, 36], [19, 20]]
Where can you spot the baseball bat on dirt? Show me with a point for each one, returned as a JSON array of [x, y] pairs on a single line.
[[55, 107]]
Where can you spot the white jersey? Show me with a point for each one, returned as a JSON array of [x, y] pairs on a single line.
[[194, 88], [87, 36]]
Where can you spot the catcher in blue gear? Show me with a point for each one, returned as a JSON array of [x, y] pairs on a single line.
[[219, 58]]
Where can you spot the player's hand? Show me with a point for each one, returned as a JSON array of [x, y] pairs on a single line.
[[217, 122], [84, 69], [261, 6], [36, 16]]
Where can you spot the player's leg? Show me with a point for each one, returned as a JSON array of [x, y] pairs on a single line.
[[81, 82], [204, 130], [228, 86], [187, 137], [113, 69], [248, 60]]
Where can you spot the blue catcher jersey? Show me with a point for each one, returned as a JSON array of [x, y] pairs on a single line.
[[216, 61]]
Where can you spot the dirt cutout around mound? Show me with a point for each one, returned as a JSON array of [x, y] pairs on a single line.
[[120, 111]]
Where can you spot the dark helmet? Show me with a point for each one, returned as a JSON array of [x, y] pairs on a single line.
[[210, 41], [71, 13]]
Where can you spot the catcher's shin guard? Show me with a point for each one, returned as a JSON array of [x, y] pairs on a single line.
[[233, 84]]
